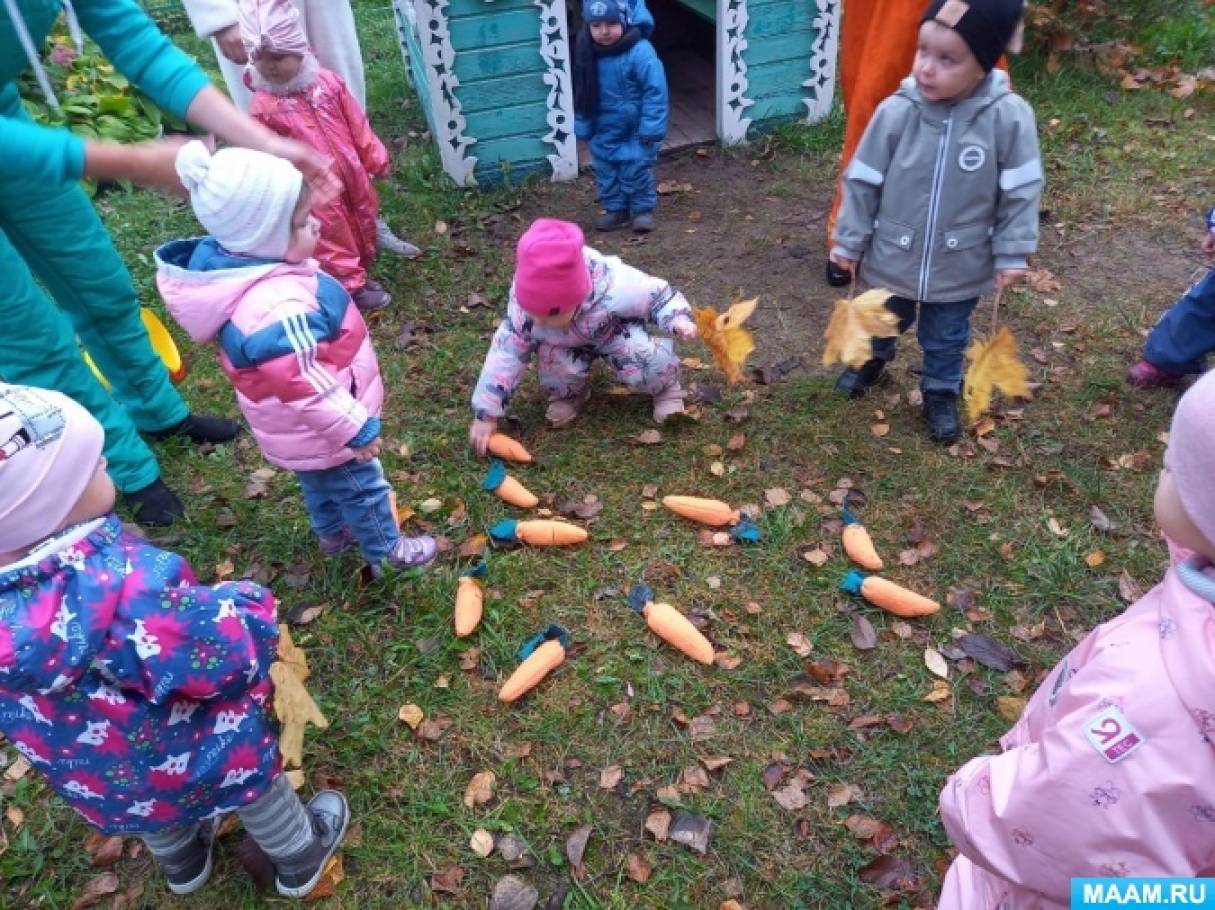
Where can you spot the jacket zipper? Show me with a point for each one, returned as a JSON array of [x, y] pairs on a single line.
[[934, 205]]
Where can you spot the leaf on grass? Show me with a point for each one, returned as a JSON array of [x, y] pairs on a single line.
[[994, 365], [95, 890], [480, 789], [692, 830], [575, 846], [447, 880], [728, 342], [1009, 707], [293, 705], [1128, 588], [481, 842], [649, 437], [799, 643], [864, 636], [702, 727], [1094, 558], [638, 868], [513, 893], [826, 671], [107, 854], [433, 728], [776, 497], [853, 326], [658, 823], [610, 776], [474, 547], [988, 652], [1099, 520], [890, 873], [842, 794], [587, 506], [935, 662]]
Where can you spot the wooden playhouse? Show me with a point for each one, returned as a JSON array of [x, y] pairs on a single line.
[[493, 76]]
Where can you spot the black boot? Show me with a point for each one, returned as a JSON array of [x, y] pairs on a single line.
[[612, 221], [837, 277], [941, 412], [298, 875], [856, 383], [188, 870], [155, 504], [200, 428]]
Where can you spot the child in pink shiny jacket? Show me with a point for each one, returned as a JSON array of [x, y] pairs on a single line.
[[1111, 769], [294, 96]]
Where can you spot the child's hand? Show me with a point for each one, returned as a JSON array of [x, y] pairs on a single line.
[[684, 327], [1208, 244], [230, 45], [479, 432], [1008, 277], [369, 451], [843, 261]]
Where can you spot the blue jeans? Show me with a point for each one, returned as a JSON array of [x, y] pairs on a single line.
[[943, 332], [626, 186], [352, 495], [1185, 333]]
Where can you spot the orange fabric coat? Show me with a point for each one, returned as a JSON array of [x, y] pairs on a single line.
[[325, 116]]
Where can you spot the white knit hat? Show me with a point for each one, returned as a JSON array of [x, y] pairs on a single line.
[[244, 198]]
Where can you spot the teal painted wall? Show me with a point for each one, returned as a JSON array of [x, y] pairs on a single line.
[[780, 36]]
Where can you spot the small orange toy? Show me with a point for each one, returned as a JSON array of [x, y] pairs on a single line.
[[890, 597], [538, 533], [470, 600], [511, 449], [670, 625], [541, 654], [858, 544], [506, 488], [711, 512]]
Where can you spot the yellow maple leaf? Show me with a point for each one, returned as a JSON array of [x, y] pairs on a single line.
[[728, 342], [293, 705], [994, 364], [853, 326]]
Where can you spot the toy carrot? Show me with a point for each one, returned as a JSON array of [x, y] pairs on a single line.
[[670, 625], [470, 600], [715, 514], [858, 544], [541, 654], [538, 533], [511, 449], [506, 488], [886, 594]]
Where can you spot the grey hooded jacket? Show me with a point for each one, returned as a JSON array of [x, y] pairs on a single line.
[[939, 195]]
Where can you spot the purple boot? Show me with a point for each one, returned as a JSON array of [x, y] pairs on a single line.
[[338, 543], [1146, 375]]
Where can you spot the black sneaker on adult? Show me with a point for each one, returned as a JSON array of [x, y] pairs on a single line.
[[855, 383], [298, 875], [155, 505], [612, 221], [200, 428], [941, 413], [837, 277], [187, 872], [643, 222]]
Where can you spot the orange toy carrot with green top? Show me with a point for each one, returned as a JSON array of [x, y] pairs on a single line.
[[506, 488], [541, 654], [670, 625], [858, 544]]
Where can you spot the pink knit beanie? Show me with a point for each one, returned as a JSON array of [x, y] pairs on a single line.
[[49, 449], [271, 26], [551, 276], [1190, 457]]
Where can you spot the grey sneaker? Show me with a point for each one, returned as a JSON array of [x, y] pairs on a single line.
[[298, 875], [643, 222], [192, 868], [386, 240], [612, 221]]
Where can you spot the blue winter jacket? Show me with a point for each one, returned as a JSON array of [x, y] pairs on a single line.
[[632, 118]]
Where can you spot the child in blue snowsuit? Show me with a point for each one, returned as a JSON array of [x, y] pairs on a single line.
[[620, 99], [1185, 334]]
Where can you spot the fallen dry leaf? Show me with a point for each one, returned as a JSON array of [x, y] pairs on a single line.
[[935, 663], [842, 794], [799, 643], [658, 823], [1128, 588], [575, 846], [638, 868], [864, 636], [649, 437], [816, 556], [480, 789], [610, 776], [481, 842], [1009, 707], [1094, 558], [513, 893], [411, 714], [776, 497], [96, 889], [890, 873], [447, 880], [692, 830]]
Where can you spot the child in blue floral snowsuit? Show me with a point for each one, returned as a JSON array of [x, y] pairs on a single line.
[[141, 696], [620, 102]]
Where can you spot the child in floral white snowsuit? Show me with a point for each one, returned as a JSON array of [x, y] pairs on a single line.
[[570, 305]]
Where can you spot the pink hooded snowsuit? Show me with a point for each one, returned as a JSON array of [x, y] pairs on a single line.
[[317, 108], [290, 339], [1111, 769]]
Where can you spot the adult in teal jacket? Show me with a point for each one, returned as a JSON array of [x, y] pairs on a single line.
[[48, 229]]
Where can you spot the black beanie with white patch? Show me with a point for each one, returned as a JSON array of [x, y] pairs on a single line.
[[987, 26]]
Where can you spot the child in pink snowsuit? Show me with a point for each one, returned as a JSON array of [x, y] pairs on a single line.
[[570, 305], [1111, 769], [295, 97]]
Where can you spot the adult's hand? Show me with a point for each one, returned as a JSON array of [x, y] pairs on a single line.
[[146, 163], [316, 168], [230, 44]]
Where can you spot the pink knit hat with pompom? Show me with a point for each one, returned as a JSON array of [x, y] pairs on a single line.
[[551, 276], [1190, 457]]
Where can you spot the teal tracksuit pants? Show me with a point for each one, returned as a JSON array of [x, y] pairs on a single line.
[[53, 234]]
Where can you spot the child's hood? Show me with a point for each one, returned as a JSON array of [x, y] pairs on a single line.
[[992, 88], [202, 284]]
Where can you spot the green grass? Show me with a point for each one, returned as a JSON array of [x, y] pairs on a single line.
[[1107, 168]]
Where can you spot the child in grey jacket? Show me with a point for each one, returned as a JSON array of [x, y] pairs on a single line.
[[941, 197]]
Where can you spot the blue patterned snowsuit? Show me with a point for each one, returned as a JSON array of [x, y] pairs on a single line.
[[610, 323]]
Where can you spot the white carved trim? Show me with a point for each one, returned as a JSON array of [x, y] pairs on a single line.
[[441, 84], [821, 85], [555, 51], [732, 100], [406, 22]]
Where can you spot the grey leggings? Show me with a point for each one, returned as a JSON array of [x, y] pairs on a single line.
[[277, 820]]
